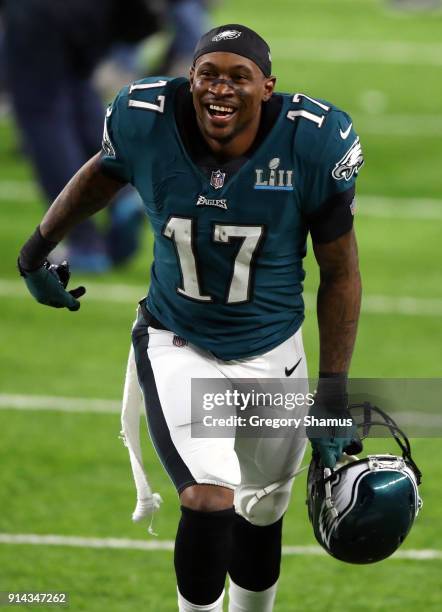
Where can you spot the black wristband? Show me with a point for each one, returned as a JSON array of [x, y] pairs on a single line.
[[34, 252], [332, 390]]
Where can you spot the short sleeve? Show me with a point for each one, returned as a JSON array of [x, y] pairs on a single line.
[[339, 158], [114, 158]]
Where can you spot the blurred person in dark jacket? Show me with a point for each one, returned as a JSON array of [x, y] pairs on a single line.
[[189, 20], [52, 48]]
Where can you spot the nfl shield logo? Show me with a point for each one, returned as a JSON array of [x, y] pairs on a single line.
[[178, 341], [217, 179]]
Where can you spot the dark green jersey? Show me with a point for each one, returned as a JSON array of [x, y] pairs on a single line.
[[227, 272]]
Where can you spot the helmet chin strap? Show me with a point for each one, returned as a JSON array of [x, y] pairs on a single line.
[[328, 493], [345, 459], [271, 488]]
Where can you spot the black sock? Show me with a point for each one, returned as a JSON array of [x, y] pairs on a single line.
[[256, 554], [203, 548]]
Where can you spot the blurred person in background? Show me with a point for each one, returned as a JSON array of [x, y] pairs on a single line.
[[189, 20], [51, 49], [2, 55], [167, 52]]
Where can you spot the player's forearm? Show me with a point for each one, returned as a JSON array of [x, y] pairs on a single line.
[[338, 308], [338, 303], [87, 192]]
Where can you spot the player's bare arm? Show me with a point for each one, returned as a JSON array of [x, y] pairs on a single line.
[[339, 301], [338, 306], [89, 191]]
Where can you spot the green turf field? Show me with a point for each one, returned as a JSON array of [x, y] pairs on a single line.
[[67, 473]]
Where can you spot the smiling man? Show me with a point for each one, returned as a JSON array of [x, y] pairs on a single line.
[[233, 176]]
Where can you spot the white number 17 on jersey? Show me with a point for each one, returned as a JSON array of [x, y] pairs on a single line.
[[181, 231]]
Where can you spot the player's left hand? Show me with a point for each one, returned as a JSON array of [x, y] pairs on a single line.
[[48, 285], [331, 441]]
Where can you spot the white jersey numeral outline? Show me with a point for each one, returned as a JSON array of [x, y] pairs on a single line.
[[239, 289], [181, 231], [318, 119], [159, 107]]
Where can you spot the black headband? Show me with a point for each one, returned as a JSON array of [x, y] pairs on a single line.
[[235, 38]]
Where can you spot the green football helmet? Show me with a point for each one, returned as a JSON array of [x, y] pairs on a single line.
[[362, 510]]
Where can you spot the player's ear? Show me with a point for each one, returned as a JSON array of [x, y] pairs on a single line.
[[269, 86], [191, 76]]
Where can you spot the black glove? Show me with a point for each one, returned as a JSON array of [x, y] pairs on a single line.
[[48, 285]]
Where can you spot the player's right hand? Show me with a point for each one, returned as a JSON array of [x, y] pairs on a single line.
[[48, 285]]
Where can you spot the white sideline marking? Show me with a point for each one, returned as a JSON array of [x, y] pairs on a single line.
[[397, 125], [399, 208], [63, 404], [357, 51], [126, 294], [55, 540], [130, 294], [369, 205], [382, 304], [422, 420], [425, 420], [18, 190], [150, 545]]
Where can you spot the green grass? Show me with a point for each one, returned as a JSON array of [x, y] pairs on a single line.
[[118, 581], [70, 478], [68, 474]]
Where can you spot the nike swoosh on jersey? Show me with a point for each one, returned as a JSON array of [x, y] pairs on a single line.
[[290, 372], [344, 135]]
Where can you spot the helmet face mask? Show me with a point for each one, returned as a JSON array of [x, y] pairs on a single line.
[[362, 511]]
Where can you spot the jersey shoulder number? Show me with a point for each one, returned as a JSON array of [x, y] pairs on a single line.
[[148, 94], [326, 136], [326, 146], [308, 108], [127, 124]]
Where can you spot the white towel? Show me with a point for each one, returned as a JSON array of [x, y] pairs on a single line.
[[147, 502]]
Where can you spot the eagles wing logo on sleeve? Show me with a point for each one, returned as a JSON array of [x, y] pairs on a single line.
[[106, 144], [350, 163]]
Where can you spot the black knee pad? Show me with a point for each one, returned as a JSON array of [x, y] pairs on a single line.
[[256, 554], [203, 548]]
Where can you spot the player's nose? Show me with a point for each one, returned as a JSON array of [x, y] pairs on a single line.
[[221, 87]]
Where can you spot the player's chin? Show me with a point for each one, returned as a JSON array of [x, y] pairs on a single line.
[[222, 133]]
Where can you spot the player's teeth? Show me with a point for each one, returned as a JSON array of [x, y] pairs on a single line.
[[223, 109]]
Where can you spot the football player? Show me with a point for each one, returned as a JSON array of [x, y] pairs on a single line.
[[233, 176]]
